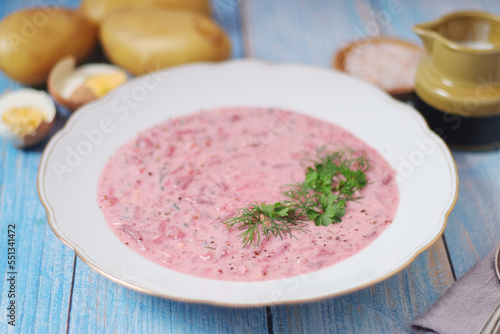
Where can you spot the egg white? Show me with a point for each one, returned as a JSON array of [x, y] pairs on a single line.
[[26, 97]]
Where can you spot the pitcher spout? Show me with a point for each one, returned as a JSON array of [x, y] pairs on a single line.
[[466, 32], [427, 33]]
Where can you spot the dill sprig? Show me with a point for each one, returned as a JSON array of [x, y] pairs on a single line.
[[334, 179], [278, 219]]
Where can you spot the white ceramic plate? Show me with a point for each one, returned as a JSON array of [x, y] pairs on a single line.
[[73, 159]]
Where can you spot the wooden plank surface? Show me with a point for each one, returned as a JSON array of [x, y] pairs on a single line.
[[44, 265], [387, 307], [58, 293], [99, 305], [324, 26], [474, 225]]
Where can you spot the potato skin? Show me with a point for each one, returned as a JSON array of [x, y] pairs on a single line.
[[96, 10], [145, 40], [33, 40]]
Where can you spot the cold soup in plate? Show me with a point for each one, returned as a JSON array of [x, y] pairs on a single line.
[[170, 192]]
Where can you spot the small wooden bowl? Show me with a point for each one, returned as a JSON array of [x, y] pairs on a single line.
[[400, 93]]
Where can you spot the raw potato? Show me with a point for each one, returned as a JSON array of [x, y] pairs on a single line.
[[145, 40], [33, 40], [96, 10]]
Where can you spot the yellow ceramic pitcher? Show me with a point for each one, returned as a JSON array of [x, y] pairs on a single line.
[[458, 82]]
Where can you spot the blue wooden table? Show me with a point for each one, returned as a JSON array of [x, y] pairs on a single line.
[[56, 292]]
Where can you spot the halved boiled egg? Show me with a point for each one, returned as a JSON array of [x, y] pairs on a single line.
[[73, 87], [26, 116]]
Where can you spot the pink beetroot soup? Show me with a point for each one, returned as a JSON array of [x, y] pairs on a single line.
[[166, 192]]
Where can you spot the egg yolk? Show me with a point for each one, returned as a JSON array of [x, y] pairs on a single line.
[[24, 120], [102, 84]]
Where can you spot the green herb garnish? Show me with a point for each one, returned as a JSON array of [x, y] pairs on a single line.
[[333, 179]]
